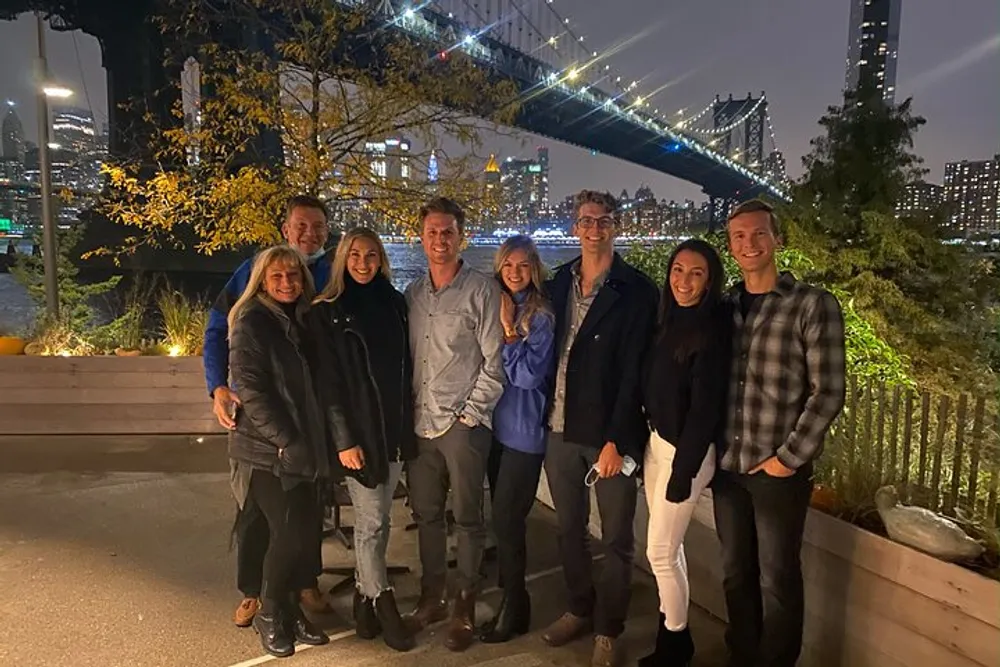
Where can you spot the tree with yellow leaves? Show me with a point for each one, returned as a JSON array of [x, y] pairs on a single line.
[[298, 111]]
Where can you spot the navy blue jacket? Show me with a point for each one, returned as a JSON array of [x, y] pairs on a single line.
[[216, 349], [604, 374], [519, 417]]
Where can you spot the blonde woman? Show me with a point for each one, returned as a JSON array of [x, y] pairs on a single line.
[[518, 425], [366, 370], [278, 442]]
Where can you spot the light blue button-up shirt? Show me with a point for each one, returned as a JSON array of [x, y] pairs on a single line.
[[457, 341]]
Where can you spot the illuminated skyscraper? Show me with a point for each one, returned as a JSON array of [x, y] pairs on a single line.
[[873, 45], [432, 168], [972, 192], [74, 130], [13, 134]]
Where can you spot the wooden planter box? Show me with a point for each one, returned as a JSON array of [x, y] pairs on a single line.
[[870, 602], [104, 395]]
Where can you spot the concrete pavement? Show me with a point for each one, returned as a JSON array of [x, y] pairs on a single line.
[[116, 552]]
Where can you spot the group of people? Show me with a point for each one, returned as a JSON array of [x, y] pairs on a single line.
[[325, 373]]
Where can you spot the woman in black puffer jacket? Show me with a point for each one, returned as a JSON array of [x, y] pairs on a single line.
[[365, 377], [278, 447]]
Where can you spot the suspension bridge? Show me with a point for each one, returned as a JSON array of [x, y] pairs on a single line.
[[574, 94]]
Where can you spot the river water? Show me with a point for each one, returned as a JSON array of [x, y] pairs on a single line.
[[407, 262]]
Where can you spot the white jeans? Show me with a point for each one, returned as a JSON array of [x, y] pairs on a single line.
[[668, 522]]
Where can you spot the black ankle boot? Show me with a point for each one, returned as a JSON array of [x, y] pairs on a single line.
[[513, 618], [300, 627], [673, 649], [365, 619], [394, 632], [274, 636]]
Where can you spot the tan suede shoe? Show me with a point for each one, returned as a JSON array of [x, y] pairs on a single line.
[[243, 616]]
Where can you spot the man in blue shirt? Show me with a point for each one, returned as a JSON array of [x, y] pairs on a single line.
[[305, 228]]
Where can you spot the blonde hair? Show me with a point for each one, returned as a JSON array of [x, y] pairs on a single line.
[[335, 287], [255, 285], [535, 301]]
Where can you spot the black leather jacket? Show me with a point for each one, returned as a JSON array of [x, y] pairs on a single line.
[[269, 359]]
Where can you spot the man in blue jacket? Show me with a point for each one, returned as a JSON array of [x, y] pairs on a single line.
[[605, 313], [305, 227]]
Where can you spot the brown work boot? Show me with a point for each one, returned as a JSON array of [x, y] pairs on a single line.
[[461, 630], [244, 614], [431, 608], [311, 600], [605, 653], [567, 628]]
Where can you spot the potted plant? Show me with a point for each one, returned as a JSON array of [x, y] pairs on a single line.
[[9, 343]]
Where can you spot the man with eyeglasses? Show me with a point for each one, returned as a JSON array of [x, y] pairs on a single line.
[[605, 316]]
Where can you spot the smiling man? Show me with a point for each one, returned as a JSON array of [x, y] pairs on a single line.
[[304, 228], [605, 314], [457, 340], [786, 385]]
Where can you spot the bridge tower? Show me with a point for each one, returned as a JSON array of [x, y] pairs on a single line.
[[738, 126], [741, 122]]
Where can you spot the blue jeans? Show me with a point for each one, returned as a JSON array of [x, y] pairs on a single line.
[[372, 509]]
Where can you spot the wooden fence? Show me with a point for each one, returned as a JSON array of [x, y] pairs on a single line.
[[941, 452]]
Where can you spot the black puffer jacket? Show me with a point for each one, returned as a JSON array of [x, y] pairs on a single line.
[[365, 377], [269, 362]]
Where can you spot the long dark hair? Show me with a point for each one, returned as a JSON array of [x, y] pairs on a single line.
[[692, 337]]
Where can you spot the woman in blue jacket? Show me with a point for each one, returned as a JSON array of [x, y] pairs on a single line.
[[519, 435]]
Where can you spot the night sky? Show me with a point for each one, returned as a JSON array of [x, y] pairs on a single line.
[[949, 62]]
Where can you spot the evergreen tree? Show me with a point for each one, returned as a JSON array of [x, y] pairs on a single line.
[[935, 302]]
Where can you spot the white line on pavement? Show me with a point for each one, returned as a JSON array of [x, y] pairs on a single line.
[[350, 633]]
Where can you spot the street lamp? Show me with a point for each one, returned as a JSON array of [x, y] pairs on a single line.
[[47, 89]]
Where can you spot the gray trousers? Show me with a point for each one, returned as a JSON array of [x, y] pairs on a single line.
[[607, 600], [455, 461]]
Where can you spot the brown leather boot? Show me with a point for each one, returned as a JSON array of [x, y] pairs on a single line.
[[431, 608], [314, 602], [461, 629]]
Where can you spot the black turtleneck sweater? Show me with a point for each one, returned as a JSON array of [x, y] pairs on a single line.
[[684, 397], [376, 316]]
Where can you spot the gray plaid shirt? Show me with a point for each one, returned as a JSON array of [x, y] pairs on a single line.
[[786, 381]]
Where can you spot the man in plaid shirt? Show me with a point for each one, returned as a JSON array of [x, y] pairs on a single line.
[[786, 386]]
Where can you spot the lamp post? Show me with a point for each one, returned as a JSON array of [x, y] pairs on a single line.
[[44, 91]]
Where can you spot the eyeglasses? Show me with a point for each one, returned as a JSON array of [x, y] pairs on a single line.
[[603, 222]]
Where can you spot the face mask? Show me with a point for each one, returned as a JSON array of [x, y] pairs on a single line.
[[316, 255], [628, 467]]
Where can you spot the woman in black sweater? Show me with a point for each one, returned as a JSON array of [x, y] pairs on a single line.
[[684, 391], [278, 446], [366, 380]]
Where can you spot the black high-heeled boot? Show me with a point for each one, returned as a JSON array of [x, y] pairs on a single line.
[[394, 632], [274, 636], [673, 648], [513, 618], [365, 619], [300, 627]]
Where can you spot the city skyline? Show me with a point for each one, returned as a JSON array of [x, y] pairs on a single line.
[[944, 60]]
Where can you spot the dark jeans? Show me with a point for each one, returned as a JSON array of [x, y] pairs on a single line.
[[252, 538], [513, 479], [760, 520], [290, 517], [566, 466], [455, 461]]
